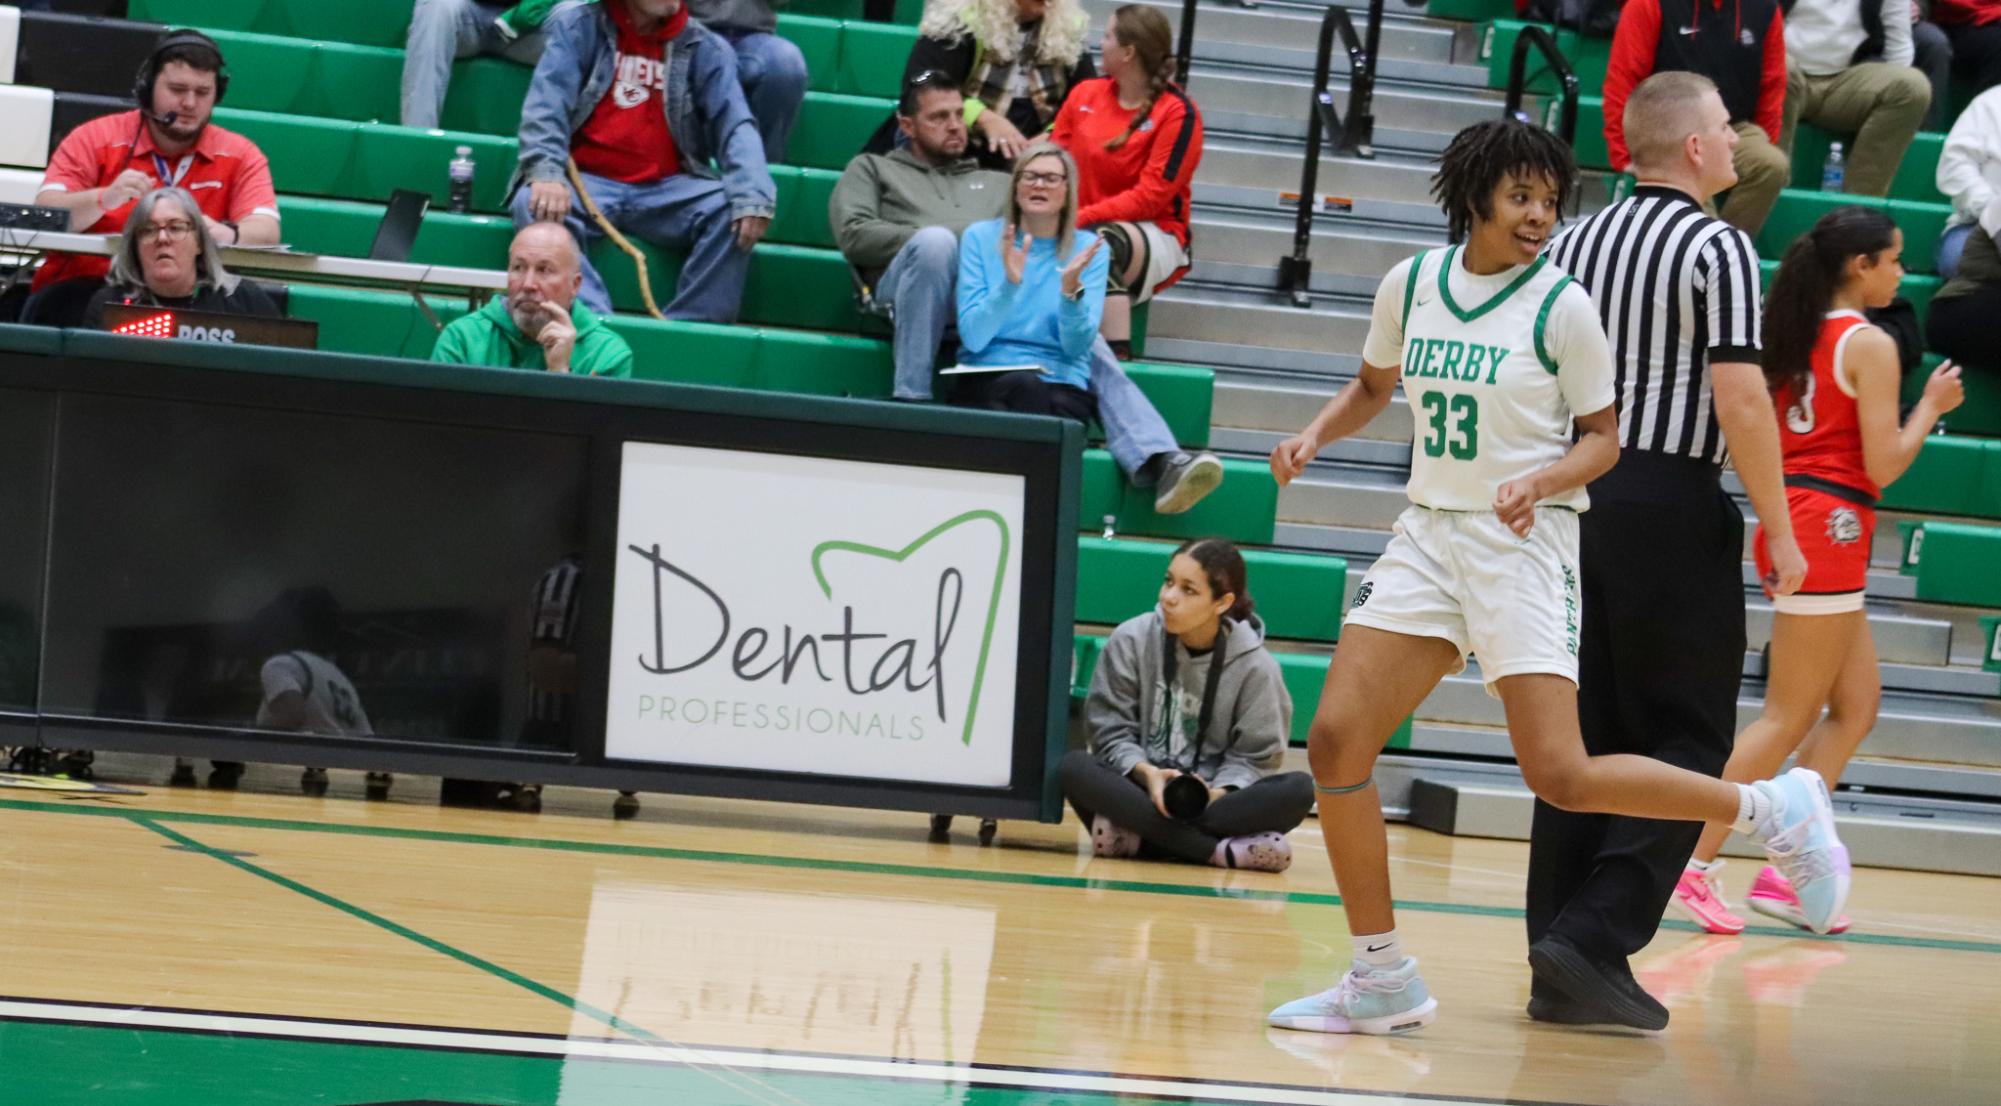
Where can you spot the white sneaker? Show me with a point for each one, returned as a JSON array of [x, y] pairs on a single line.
[[1799, 838], [1379, 1001]]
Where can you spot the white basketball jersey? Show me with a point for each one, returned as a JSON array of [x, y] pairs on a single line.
[[1484, 383]]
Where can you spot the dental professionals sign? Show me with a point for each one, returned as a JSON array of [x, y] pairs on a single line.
[[802, 614]]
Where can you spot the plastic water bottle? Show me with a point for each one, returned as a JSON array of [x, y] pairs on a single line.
[[461, 173], [1834, 171]]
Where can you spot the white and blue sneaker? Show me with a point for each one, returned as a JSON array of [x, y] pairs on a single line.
[[1799, 838], [1380, 1001]]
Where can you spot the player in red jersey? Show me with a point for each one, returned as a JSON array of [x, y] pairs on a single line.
[[1835, 382]]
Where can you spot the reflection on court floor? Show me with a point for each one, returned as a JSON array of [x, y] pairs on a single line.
[[174, 948]]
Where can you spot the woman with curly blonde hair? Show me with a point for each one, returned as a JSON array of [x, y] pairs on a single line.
[[1014, 60]]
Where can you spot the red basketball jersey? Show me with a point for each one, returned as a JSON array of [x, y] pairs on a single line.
[[1819, 433]]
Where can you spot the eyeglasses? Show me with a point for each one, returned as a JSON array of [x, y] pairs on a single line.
[[932, 77], [172, 231], [1051, 179]]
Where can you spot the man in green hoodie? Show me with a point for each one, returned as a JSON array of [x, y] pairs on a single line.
[[539, 324]]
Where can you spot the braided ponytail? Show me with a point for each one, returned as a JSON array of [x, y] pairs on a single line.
[[1147, 33]]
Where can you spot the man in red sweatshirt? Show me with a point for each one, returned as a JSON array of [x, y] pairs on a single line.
[[1740, 45]]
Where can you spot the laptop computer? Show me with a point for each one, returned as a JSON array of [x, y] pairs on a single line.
[[397, 232], [209, 326]]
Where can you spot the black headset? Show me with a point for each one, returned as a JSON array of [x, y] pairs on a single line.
[[149, 70]]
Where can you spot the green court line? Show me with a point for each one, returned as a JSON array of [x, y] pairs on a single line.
[[489, 967], [861, 867]]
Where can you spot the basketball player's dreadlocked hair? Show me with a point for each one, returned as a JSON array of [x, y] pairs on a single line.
[[1480, 157]]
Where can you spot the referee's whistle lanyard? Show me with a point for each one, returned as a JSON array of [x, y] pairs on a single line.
[[1164, 732]]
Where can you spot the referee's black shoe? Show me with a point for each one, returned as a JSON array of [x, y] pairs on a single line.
[[1547, 1004], [1604, 992]]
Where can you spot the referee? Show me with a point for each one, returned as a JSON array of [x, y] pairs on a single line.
[[1662, 645]]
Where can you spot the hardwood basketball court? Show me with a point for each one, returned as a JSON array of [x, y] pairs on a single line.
[[195, 947]]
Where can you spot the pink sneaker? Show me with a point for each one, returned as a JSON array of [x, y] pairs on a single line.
[[1696, 898], [1773, 897], [1109, 839]]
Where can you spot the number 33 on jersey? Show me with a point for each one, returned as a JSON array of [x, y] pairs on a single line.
[[1494, 367]]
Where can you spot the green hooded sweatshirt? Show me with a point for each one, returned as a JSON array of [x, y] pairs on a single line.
[[489, 337]]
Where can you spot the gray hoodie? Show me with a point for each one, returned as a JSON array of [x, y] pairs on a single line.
[[1133, 717], [882, 200]]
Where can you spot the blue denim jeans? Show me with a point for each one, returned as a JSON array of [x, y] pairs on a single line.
[[1950, 245], [441, 32], [773, 74], [920, 285], [678, 213]]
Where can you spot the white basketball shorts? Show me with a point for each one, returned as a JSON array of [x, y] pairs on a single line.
[[1464, 576]]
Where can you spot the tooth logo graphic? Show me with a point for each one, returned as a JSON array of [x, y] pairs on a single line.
[[993, 601], [804, 614]]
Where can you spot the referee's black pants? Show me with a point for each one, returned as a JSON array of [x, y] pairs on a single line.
[[1660, 658]]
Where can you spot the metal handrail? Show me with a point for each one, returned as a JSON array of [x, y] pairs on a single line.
[[1353, 135], [1184, 50], [1184, 47], [1541, 39]]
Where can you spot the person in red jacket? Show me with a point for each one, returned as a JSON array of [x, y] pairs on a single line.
[[1740, 45], [1136, 138]]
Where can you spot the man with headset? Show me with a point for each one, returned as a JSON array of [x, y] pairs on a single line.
[[105, 165]]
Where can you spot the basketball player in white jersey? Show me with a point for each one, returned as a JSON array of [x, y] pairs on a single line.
[[1504, 362]]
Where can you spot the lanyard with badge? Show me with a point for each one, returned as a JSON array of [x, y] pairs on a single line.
[[1206, 713], [170, 178]]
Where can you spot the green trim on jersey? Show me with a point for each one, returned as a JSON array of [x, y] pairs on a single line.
[[1542, 321], [1445, 290], [1410, 289]]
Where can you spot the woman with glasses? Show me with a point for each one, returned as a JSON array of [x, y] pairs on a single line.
[[1031, 294], [166, 258], [1137, 138], [1014, 60]]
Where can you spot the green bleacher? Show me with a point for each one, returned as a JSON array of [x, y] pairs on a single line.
[[386, 324], [1954, 562]]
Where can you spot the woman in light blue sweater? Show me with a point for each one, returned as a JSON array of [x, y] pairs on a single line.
[[1031, 294]]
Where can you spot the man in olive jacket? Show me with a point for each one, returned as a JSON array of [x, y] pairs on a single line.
[[539, 325], [897, 217]]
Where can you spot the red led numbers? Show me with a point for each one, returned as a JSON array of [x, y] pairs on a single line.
[[152, 326]]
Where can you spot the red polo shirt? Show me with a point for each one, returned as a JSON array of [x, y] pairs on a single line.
[[225, 172]]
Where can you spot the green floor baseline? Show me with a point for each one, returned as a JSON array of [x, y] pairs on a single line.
[[1298, 898], [55, 1054], [57, 1065]]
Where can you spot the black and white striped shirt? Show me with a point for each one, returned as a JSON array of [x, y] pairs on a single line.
[[1676, 291]]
